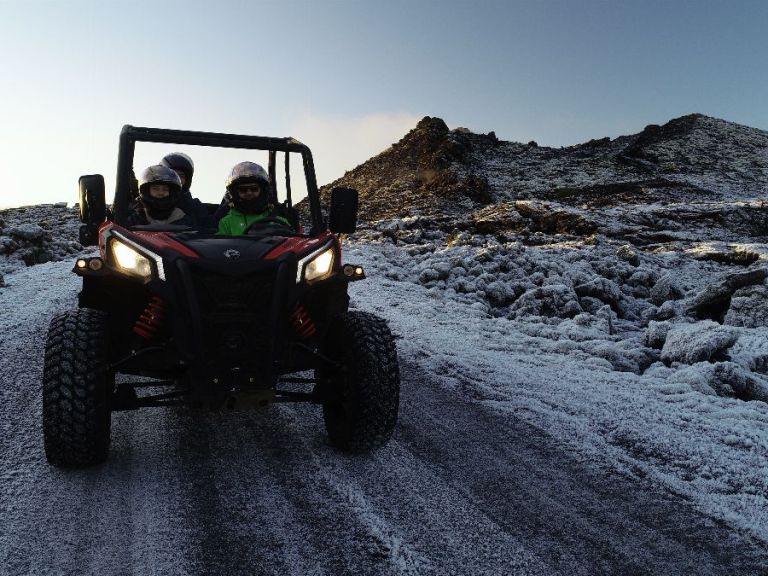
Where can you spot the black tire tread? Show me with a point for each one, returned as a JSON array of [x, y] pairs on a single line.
[[365, 344], [76, 390]]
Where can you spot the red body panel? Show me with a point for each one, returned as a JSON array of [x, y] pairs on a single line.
[[298, 245], [102, 233], [163, 240], [160, 240]]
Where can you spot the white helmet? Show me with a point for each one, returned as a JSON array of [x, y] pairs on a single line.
[[246, 172], [249, 173], [159, 174]]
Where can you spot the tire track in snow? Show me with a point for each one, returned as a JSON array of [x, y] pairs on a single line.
[[579, 519], [419, 523], [233, 526], [270, 494]]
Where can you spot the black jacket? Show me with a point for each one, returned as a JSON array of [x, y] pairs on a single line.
[[196, 210]]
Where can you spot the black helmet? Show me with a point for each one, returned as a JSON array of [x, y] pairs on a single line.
[[159, 208], [181, 163], [248, 173]]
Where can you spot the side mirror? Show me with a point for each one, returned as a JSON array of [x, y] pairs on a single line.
[[93, 208], [343, 214]]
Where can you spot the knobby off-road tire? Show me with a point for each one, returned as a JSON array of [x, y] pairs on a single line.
[[361, 398], [77, 389]]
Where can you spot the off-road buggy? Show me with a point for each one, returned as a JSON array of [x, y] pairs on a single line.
[[176, 316]]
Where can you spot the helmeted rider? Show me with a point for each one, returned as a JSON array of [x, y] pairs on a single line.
[[159, 194], [185, 168], [248, 186]]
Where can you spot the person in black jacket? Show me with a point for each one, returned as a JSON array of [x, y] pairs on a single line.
[[159, 195], [185, 168]]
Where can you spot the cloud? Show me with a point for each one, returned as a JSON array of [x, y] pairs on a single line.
[[340, 143]]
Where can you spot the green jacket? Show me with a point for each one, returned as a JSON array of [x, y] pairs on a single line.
[[235, 223]]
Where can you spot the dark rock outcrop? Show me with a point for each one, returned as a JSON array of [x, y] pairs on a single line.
[[714, 301], [654, 134]]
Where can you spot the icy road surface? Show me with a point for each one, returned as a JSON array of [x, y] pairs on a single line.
[[470, 484]]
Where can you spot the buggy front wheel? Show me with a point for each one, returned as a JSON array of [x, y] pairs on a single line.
[[361, 395], [77, 389]]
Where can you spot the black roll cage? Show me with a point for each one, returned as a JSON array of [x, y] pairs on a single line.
[[132, 134]]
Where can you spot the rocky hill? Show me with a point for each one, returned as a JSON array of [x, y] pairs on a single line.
[[693, 173]]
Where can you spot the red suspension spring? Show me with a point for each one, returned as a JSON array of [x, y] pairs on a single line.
[[302, 322], [152, 319]]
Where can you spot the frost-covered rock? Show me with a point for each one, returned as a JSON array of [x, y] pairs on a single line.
[[35, 255], [604, 290], [550, 218], [29, 232], [747, 278], [723, 379], [749, 307], [591, 305], [501, 217], [554, 300], [714, 300], [624, 356], [668, 310], [642, 278], [499, 294], [750, 387], [665, 288], [8, 245], [701, 378], [36, 234], [628, 254], [428, 275], [656, 334], [612, 268], [390, 225], [649, 314], [439, 271], [751, 350], [697, 342], [2, 280], [420, 249]]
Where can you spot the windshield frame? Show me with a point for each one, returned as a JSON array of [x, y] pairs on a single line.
[[132, 134]]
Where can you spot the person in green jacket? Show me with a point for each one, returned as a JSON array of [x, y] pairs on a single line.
[[248, 185]]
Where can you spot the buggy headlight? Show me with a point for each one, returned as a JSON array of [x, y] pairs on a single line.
[[319, 265], [130, 261]]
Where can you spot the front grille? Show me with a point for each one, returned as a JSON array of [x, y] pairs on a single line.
[[220, 294], [235, 314]]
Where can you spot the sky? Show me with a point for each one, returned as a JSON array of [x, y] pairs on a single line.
[[349, 78]]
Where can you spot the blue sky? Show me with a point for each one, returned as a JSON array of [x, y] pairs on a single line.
[[351, 77]]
